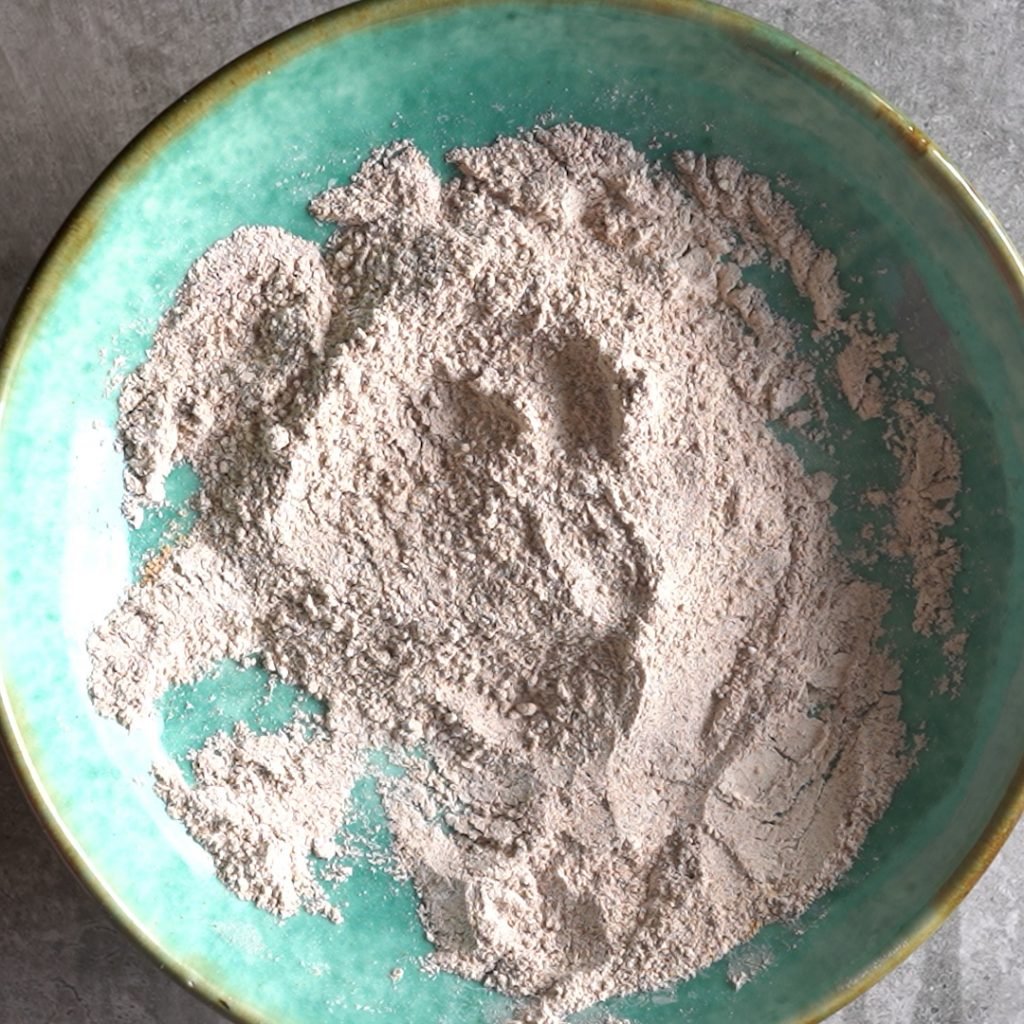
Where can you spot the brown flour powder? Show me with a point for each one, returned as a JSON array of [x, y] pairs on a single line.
[[495, 475]]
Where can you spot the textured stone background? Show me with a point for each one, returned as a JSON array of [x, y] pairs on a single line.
[[78, 78]]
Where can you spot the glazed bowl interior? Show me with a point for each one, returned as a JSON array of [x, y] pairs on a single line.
[[252, 146]]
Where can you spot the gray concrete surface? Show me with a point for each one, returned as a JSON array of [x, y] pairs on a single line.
[[78, 78]]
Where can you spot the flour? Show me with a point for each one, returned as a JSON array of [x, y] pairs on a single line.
[[495, 475]]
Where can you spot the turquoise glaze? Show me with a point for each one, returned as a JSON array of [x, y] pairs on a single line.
[[253, 145]]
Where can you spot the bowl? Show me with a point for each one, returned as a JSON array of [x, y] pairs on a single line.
[[253, 144]]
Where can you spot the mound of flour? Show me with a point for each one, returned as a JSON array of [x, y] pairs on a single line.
[[496, 475]]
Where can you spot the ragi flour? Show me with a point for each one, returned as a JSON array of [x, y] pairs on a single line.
[[496, 475]]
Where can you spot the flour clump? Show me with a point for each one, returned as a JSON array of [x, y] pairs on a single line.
[[497, 475]]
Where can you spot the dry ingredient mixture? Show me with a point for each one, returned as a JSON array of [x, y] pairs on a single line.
[[495, 475]]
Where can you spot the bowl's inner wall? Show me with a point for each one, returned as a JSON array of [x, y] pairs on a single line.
[[461, 77]]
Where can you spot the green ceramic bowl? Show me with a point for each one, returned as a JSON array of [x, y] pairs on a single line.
[[251, 145]]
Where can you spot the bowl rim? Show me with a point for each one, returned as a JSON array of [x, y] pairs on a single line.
[[73, 238]]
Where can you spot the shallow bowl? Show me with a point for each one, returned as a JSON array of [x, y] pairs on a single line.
[[252, 144]]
